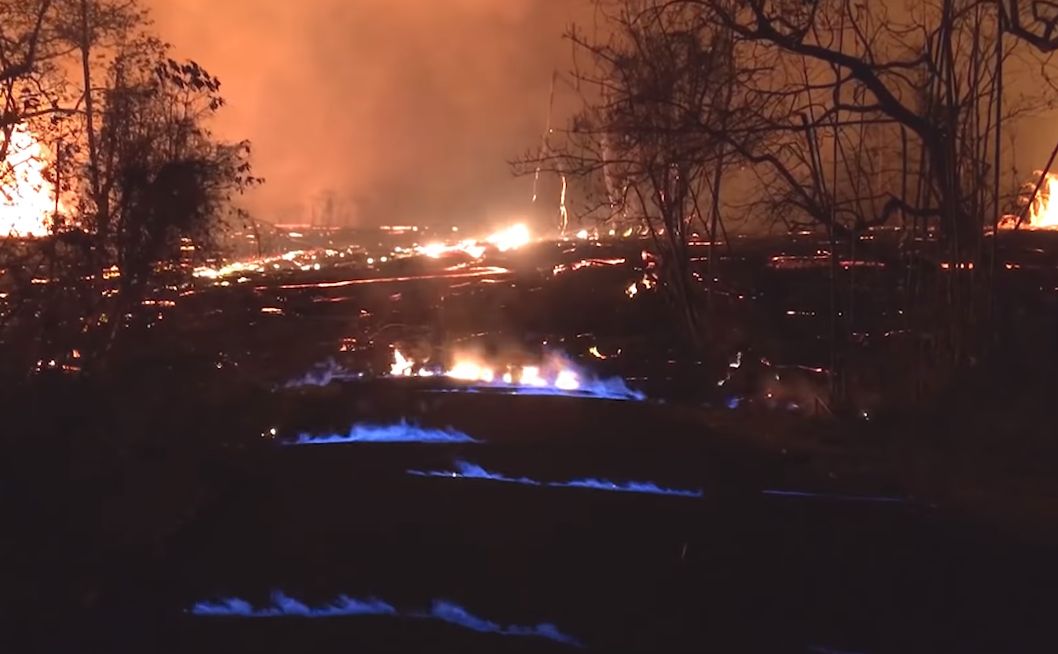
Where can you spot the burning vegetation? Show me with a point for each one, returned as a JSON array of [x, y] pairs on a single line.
[[30, 202], [1040, 211], [848, 333]]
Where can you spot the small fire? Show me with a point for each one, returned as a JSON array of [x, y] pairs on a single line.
[[511, 238], [437, 250], [470, 371], [555, 376], [402, 366], [28, 202], [1043, 213]]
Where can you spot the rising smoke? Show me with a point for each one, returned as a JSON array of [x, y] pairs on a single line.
[[401, 110]]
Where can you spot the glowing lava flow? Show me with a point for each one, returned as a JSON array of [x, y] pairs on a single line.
[[556, 376], [402, 432], [466, 470], [284, 606], [28, 197]]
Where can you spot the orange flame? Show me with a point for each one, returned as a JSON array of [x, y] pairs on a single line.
[[27, 204], [511, 238], [1043, 212], [469, 369]]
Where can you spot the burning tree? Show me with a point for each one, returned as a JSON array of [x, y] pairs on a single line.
[[27, 192], [140, 184]]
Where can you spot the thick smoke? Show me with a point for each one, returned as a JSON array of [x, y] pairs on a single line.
[[401, 110]]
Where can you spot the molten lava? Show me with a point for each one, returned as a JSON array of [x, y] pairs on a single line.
[[28, 202]]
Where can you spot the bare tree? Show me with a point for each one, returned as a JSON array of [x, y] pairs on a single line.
[[650, 86], [145, 185], [875, 112]]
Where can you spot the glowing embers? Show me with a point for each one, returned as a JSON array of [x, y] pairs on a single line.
[[467, 470], [401, 432], [283, 606], [586, 263]]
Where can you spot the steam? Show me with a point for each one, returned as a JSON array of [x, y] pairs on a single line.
[[322, 374], [401, 432], [284, 606], [467, 470]]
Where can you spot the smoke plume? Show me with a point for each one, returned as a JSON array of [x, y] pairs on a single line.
[[389, 111]]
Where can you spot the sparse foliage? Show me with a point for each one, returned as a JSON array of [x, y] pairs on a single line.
[[145, 187]]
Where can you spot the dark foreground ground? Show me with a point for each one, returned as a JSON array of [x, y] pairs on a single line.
[[773, 557], [127, 506]]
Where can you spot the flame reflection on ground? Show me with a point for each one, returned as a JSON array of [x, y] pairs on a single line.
[[401, 432], [467, 470], [284, 606]]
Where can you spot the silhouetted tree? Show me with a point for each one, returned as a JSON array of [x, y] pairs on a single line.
[[145, 185], [657, 89]]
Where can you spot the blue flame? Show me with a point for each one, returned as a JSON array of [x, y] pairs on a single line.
[[596, 389], [467, 470], [648, 487], [457, 615], [883, 499], [284, 606], [401, 432], [589, 387]]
